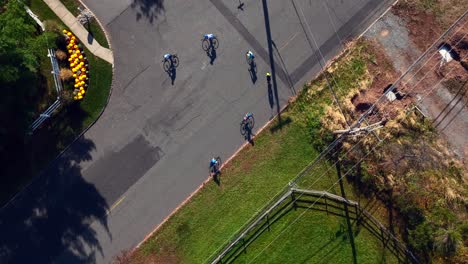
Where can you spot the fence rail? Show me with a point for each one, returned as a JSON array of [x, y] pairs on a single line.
[[58, 87], [46, 114], [322, 201], [55, 71], [35, 17]]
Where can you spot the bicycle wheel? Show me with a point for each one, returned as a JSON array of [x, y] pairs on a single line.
[[215, 43], [167, 65], [205, 45], [218, 166], [242, 127], [175, 61], [251, 122]]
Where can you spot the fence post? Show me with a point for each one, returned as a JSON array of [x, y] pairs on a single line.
[[243, 245], [326, 204], [268, 222], [293, 200]]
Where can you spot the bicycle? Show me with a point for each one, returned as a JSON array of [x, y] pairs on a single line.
[[215, 168], [171, 63], [207, 44], [247, 123]]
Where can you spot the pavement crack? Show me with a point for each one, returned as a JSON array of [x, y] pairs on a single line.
[[187, 123], [134, 77]]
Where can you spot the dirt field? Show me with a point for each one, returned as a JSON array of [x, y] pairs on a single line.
[[439, 90]]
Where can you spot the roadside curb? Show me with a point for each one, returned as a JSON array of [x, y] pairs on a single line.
[[102, 27], [242, 147], [346, 47], [41, 173]]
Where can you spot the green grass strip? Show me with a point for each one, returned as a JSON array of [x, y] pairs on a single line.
[[215, 214]]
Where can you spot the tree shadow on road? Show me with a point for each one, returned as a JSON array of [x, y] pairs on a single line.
[[52, 217], [149, 9]]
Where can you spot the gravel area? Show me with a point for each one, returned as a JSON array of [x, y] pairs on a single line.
[[447, 110]]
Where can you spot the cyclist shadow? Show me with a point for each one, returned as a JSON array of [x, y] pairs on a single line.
[[211, 53], [253, 72], [248, 134], [172, 73], [271, 99], [217, 178]]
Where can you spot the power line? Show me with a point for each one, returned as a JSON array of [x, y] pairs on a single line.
[[382, 97], [339, 139], [316, 200], [319, 59], [380, 142]]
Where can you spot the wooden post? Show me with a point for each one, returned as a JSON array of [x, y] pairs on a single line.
[[326, 205], [293, 200], [243, 244], [268, 222]]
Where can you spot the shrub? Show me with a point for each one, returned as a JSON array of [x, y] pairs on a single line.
[[447, 242], [65, 74], [52, 26], [61, 55], [422, 238]]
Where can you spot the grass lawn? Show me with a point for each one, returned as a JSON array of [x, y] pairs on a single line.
[[93, 27], [43, 11], [216, 213], [314, 238], [64, 126]]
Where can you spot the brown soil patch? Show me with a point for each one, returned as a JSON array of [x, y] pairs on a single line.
[[433, 72], [422, 25], [459, 46], [383, 75]]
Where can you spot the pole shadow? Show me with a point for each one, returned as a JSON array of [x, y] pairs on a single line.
[[272, 60]]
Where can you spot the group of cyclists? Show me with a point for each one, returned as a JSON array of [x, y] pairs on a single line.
[[210, 42]]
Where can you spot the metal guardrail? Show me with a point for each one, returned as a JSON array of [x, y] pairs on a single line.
[[46, 114], [58, 87], [55, 71], [35, 17], [323, 201]]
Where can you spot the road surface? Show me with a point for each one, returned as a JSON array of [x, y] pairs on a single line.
[[151, 147]]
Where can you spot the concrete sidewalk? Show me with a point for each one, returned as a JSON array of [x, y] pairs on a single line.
[[72, 23]]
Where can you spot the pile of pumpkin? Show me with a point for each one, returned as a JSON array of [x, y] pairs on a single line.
[[78, 64]]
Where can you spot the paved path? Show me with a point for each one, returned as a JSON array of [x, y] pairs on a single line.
[[72, 23], [150, 149]]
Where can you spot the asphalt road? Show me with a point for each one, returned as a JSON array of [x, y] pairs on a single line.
[[151, 147]]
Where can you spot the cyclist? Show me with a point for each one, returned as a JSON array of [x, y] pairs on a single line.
[[168, 56], [247, 116], [250, 55], [268, 76], [214, 165], [209, 37]]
